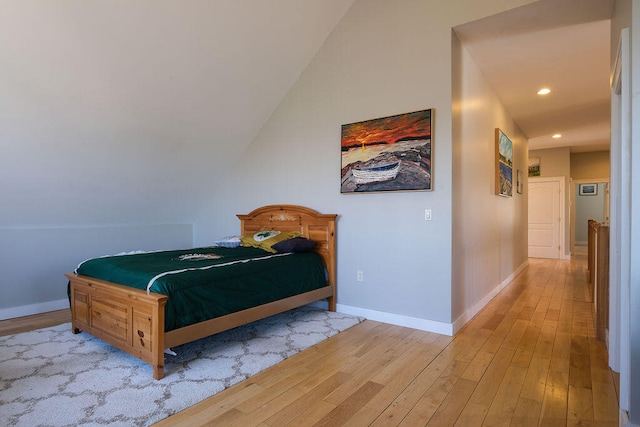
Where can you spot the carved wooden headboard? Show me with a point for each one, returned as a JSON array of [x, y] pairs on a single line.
[[315, 226]]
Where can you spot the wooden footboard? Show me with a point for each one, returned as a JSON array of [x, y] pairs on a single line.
[[133, 321], [127, 318]]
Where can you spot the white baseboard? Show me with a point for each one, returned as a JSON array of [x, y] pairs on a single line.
[[475, 309], [28, 310], [442, 328], [398, 319]]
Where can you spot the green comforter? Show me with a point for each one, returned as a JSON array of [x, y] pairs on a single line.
[[201, 288]]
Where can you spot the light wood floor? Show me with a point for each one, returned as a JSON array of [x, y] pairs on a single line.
[[529, 358]]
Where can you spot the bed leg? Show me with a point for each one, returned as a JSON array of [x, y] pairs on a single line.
[[158, 372], [332, 303], [75, 330]]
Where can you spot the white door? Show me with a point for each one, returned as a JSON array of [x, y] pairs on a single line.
[[544, 218]]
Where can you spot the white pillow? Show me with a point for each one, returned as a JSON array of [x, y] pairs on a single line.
[[228, 242]]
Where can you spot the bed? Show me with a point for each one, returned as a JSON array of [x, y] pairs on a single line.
[[134, 319]]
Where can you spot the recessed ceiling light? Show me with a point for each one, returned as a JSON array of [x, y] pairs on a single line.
[[556, 136], [544, 91]]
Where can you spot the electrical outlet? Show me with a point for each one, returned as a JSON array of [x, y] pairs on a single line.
[[360, 276]]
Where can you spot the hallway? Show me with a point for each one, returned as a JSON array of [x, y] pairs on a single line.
[[558, 368]]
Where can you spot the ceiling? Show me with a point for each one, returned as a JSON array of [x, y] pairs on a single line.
[[563, 45]]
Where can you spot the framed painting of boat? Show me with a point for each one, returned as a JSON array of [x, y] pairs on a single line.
[[387, 154], [504, 164]]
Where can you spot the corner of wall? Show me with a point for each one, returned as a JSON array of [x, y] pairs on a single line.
[[471, 312]]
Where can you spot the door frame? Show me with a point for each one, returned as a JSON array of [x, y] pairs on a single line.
[[618, 339]]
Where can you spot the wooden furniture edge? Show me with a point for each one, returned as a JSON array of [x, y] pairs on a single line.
[[127, 318], [133, 320], [285, 217], [190, 333]]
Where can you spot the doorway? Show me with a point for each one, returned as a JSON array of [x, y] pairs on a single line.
[[585, 205], [546, 217]]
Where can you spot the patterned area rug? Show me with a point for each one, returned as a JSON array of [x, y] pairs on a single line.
[[51, 377]]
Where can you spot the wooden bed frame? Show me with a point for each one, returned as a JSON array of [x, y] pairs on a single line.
[[133, 321]]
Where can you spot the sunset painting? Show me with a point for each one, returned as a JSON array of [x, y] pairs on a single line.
[[387, 154]]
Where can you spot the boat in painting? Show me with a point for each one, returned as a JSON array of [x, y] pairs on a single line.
[[376, 172]]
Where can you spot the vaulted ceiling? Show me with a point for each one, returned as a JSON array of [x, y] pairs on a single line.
[[221, 68], [563, 45]]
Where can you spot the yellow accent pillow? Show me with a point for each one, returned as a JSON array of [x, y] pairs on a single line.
[[265, 239]]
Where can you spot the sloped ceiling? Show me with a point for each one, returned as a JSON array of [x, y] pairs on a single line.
[[560, 44], [110, 108], [198, 66]]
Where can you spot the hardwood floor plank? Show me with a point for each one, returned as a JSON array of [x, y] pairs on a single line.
[[341, 414], [561, 351], [527, 412], [425, 379], [554, 404], [546, 340], [218, 406], [512, 340], [535, 380], [427, 406], [450, 409], [405, 372], [472, 342], [526, 347], [313, 414], [36, 321], [580, 363], [254, 415], [281, 388], [409, 363], [580, 405], [308, 400], [322, 372], [367, 416], [604, 401], [472, 415], [488, 385], [603, 382], [478, 366], [504, 404], [361, 373]]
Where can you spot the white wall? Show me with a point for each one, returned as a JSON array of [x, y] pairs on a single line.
[[625, 196], [634, 306], [554, 161], [590, 165], [33, 260], [634, 181], [489, 231], [384, 58]]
